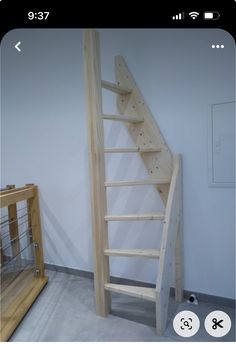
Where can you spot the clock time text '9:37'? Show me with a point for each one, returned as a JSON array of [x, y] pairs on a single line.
[[38, 15]]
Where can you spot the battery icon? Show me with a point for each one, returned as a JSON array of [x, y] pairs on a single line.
[[211, 15]]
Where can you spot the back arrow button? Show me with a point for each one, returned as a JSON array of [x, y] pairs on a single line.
[[17, 46]]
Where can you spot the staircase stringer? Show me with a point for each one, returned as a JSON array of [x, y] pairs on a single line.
[[92, 64], [170, 251], [146, 134]]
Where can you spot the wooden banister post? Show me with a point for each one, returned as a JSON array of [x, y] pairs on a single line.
[[13, 228], [33, 208], [97, 169], [29, 218]]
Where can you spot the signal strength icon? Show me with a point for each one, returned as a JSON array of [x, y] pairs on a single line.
[[193, 15], [179, 16]]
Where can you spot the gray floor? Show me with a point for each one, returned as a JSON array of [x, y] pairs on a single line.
[[64, 311]]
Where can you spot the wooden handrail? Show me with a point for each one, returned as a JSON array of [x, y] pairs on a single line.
[[9, 189], [12, 196]]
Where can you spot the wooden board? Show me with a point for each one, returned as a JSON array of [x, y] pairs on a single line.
[[14, 313], [147, 133], [13, 228], [140, 292], [13, 197], [110, 86], [8, 189], [97, 168], [132, 150], [135, 217], [168, 247], [179, 273], [33, 205], [125, 118], [137, 182], [15, 286], [145, 253]]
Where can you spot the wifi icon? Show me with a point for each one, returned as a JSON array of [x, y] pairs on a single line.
[[193, 15]]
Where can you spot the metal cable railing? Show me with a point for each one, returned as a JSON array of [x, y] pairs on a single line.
[[18, 238]]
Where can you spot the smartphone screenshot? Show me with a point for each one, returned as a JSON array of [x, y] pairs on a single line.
[[117, 173]]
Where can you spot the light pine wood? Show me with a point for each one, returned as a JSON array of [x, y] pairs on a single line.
[[110, 86], [7, 294], [135, 217], [168, 247], [13, 228], [137, 182], [29, 222], [8, 190], [178, 267], [1, 253], [126, 118], [18, 195], [146, 133], [17, 297], [132, 150], [14, 288], [179, 274], [97, 168], [146, 253], [13, 314], [164, 171], [139, 292], [33, 206]]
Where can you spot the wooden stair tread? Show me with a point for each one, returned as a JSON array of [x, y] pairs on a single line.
[[137, 182], [147, 253], [134, 217], [140, 292], [124, 118], [132, 150], [110, 86]]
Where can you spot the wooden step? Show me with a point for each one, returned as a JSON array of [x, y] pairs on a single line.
[[132, 150], [135, 217], [146, 253], [110, 86], [140, 292], [124, 118], [137, 182]]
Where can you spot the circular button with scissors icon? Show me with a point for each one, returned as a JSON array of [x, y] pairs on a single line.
[[186, 323], [217, 324]]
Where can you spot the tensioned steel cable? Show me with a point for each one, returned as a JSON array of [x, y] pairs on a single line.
[[2, 217], [13, 221], [5, 235], [5, 266], [22, 235]]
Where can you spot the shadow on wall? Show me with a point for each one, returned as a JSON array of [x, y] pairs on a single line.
[[58, 233]]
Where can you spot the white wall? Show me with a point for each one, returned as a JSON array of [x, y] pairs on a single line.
[[44, 141]]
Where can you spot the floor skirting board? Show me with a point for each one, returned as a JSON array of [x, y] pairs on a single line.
[[201, 297]]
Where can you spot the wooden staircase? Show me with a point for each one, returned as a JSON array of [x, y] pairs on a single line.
[[164, 170]]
